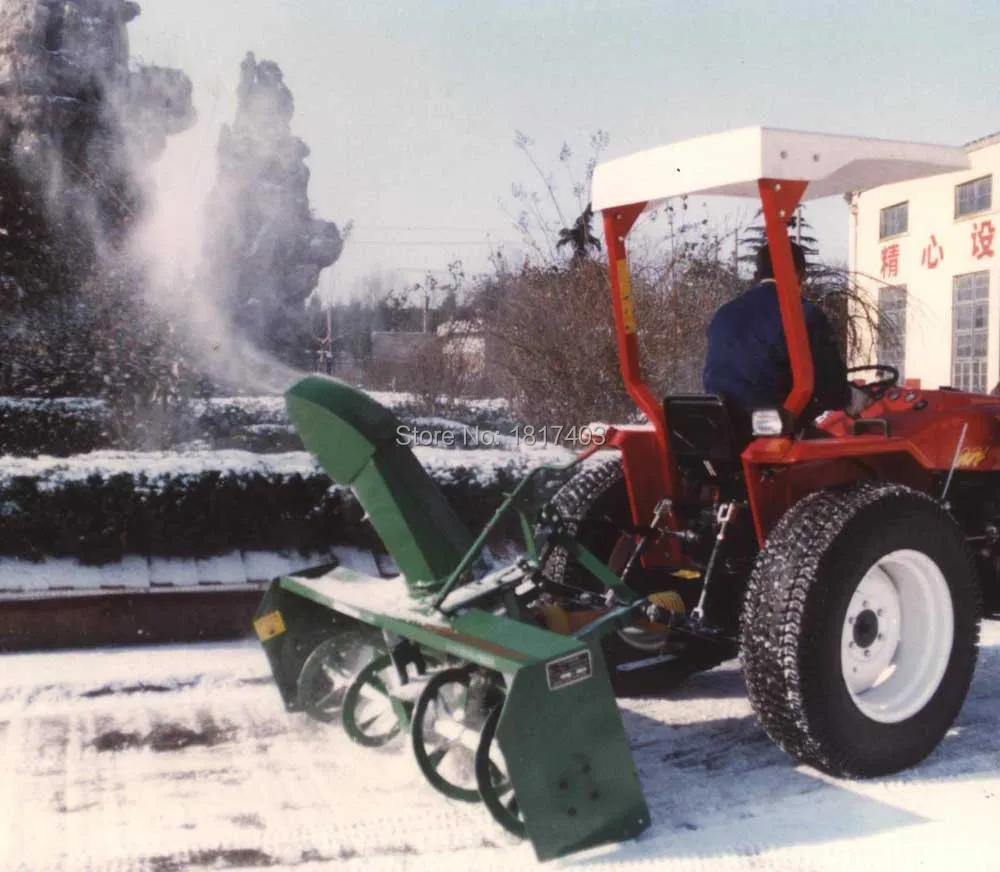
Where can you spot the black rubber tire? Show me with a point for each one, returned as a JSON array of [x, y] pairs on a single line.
[[794, 611], [599, 491]]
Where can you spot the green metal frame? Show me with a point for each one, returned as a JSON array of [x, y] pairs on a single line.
[[559, 729], [514, 501]]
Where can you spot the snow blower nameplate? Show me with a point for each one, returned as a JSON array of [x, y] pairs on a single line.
[[569, 670]]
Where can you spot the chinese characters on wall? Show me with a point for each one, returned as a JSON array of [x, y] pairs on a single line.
[[933, 254], [890, 260], [981, 238]]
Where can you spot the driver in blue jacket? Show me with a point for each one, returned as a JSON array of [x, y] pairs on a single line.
[[747, 360]]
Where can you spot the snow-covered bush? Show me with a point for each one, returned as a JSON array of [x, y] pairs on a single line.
[[103, 506], [60, 427], [77, 425]]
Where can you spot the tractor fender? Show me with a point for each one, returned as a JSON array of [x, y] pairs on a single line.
[[774, 489]]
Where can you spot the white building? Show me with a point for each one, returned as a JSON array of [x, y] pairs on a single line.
[[925, 251], [465, 343]]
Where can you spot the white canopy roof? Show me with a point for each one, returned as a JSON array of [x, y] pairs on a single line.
[[730, 164]]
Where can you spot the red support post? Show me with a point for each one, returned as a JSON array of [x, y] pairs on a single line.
[[779, 199], [617, 223]]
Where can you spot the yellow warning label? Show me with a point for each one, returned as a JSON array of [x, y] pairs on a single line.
[[625, 292], [669, 600], [270, 625], [972, 456], [686, 573]]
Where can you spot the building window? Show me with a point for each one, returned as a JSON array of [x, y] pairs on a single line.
[[975, 196], [970, 331], [892, 328], [893, 220]]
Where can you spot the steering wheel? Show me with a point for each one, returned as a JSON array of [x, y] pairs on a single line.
[[872, 388]]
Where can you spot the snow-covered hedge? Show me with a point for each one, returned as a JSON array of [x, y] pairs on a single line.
[[61, 426], [68, 426], [102, 506]]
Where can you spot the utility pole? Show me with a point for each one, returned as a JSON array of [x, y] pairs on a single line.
[[324, 355]]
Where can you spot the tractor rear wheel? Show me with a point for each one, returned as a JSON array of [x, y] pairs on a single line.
[[594, 505], [860, 629]]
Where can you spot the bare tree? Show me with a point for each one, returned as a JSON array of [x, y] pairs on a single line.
[[446, 367], [552, 347], [542, 220]]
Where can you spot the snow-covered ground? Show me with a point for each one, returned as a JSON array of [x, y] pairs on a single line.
[[183, 758]]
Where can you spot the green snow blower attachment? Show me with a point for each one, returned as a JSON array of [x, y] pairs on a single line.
[[451, 652]]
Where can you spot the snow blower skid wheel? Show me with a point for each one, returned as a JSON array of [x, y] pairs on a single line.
[[444, 732], [371, 716], [860, 629], [493, 782], [326, 674]]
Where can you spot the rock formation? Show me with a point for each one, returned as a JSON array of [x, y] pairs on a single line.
[[78, 124], [266, 250], [74, 116]]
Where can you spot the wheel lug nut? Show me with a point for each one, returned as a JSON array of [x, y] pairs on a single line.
[[881, 637], [850, 619], [850, 644], [878, 612], [865, 604], [868, 652]]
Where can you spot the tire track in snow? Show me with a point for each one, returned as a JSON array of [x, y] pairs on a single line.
[[184, 759]]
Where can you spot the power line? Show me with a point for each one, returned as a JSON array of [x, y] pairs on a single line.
[[441, 243], [465, 229]]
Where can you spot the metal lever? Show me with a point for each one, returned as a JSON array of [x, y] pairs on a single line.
[[662, 507], [954, 463], [722, 517]]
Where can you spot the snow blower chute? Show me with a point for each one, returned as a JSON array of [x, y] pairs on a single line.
[[497, 706]]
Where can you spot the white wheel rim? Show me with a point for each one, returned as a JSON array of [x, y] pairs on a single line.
[[897, 636]]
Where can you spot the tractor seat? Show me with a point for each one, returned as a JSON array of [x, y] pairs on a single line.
[[707, 432]]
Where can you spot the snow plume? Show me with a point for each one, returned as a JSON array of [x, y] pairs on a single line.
[[169, 244], [231, 239], [183, 278]]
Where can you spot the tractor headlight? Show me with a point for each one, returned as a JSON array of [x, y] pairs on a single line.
[[767, 422]]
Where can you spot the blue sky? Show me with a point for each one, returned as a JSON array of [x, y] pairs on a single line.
[[410, 109]]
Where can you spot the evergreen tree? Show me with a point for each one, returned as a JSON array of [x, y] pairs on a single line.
[[579, 237]]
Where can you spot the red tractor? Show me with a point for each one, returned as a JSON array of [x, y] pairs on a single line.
[[846, 562]]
